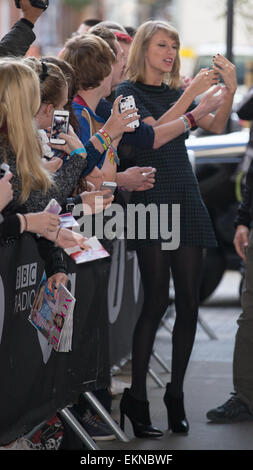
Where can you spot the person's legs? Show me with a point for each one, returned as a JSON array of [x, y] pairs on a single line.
[[155, 274], [240, 406], [186, 268], [243, 352]]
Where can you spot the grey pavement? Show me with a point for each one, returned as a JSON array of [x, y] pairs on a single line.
[[208, 382]]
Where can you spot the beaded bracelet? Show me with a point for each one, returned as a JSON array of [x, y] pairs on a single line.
[[78, 151], [191, 118], [113, 155], [186, 123]]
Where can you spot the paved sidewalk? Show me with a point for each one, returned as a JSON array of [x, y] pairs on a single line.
[[208, 383]]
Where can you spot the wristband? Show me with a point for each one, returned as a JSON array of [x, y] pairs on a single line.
[[101, 140], [78, 151], [191, 118], [58, 231], [26, 223], [22, 222], [106, 136]]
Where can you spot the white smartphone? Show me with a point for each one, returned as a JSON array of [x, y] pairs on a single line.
[[108, 185], [128, 102], [60, 123]]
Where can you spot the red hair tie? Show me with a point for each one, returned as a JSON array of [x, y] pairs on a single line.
[[123, 36]]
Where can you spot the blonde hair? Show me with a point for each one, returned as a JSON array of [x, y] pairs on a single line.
[[136, 60], [19, 103]]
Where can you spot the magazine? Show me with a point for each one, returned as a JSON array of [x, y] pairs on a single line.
[[68, 221], [96, 251], [53, 318]]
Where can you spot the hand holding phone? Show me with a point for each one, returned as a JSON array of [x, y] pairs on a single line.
[[60, 124], [109, 185], [53, 207]]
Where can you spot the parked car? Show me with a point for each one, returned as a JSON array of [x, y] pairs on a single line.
[[216, 160]]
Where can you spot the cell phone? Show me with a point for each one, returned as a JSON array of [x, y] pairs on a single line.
[[128, 102], [4, 168], [60, 123], [35, 3], [108, 185], [53, 207]]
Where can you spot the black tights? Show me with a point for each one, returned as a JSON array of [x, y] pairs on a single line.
[[185, 264]]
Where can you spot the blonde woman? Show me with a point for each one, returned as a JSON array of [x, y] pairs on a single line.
[[154, 80]]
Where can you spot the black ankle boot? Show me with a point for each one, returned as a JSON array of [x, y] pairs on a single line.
[[177, 420], [138, 413]]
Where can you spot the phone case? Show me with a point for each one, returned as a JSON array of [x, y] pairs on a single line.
[[129, 103], [53, 207]]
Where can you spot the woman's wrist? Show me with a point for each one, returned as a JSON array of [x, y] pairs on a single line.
[[190, 92], [197, 114]]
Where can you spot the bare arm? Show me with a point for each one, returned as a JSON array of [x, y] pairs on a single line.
[[167, 132], [201, 83]]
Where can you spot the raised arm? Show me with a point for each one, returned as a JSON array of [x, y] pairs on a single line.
[[21, 35]]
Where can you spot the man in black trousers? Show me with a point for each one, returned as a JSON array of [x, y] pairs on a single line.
[[240, 406]]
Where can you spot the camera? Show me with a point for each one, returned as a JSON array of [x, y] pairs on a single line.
[[35, 3]]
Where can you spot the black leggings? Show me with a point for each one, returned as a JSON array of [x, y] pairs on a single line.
[[185, 264]]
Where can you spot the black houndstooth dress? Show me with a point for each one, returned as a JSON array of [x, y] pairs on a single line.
[[175, 181]]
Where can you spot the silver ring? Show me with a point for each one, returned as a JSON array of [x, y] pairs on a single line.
[[227, 65], [207, 73]]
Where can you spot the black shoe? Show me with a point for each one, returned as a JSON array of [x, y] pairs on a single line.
[[234, 410], [177, 420], [138, 413]]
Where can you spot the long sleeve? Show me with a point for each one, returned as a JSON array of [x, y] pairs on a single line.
[[18, 40], [9, 228], [245, 108], [244, 215], [64, 182], [53, 257]]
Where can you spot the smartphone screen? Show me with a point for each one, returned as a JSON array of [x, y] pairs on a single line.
[[60, 124]]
